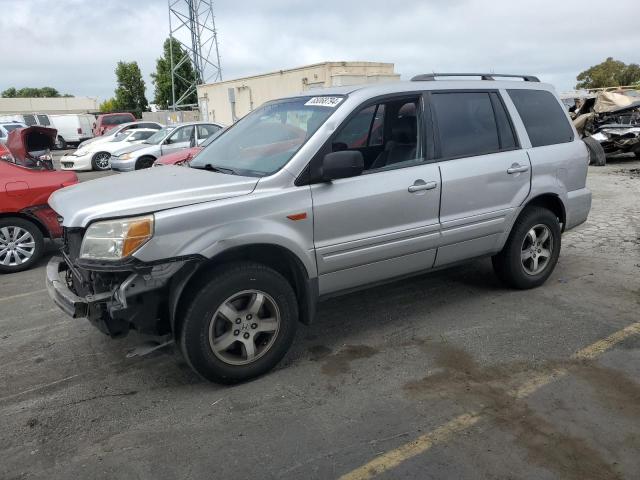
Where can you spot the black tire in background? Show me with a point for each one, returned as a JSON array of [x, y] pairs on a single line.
[[100, 161], [8, 226], [636, 150], [61, 143], [509, 264], [144, 162], [194, 333], [597, 156]]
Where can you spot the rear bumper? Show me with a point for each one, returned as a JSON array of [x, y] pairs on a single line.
[[578, 207]]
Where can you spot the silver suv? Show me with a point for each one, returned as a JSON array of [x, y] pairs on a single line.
[[318, 194]]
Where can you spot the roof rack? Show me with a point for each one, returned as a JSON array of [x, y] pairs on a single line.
[[483, 76]]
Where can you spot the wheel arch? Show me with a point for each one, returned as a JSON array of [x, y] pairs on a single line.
[[29, 218], [281, 259], [551, 202]]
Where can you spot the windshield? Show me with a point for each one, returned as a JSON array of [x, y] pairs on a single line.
[[266, 139], [116, 119], [157, 137], [8, 128]]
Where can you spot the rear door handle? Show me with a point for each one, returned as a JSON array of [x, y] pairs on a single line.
[[516, 168], [421, 185]]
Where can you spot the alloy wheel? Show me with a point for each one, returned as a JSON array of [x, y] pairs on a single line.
[[537, 248], [244, 327], [102, 160], [17, 246]]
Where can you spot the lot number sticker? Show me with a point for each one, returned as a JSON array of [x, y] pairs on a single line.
[[331, 102]]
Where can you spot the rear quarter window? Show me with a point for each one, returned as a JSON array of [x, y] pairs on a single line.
[[543, 117]]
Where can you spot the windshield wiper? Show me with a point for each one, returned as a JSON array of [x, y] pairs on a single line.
[[213, 168]]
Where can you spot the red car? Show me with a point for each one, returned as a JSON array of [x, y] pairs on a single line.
[[27, 179], [107, 121]]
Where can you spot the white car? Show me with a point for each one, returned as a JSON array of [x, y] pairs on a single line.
[[119, 129], [95, 156]]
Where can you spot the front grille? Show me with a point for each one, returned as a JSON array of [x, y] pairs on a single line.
[[67, 164]]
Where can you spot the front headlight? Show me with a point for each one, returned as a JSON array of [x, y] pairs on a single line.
[[81, 153], [116, 239], [126, 156]]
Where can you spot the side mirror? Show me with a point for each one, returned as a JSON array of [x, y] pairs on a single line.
[[344, 164]]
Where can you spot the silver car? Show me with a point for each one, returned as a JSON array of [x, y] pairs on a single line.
[[319, 194], [168, 140]]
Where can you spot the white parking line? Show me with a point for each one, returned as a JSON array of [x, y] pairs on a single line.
[[20, 295]]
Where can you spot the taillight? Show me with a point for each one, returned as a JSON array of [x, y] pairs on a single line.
[[79, 130], [5, 154]]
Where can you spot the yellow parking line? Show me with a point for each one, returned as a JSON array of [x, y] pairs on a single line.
[[443, 433], [20, 295]]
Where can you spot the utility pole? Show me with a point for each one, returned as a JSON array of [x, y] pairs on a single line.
[[192, 25]]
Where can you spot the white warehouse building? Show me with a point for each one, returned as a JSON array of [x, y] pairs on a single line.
[[225, 102]]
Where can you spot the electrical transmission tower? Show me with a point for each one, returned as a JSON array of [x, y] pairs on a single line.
[[192, 25]]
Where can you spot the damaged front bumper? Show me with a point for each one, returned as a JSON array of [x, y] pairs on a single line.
[[130, 299], [63, 297]]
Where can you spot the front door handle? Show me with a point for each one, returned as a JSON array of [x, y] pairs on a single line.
[[421, 185], [517, 168]]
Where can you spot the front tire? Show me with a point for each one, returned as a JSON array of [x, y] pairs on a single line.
[[100, 161], [239, 324], [21, 244], [531, 251], [144, 162]]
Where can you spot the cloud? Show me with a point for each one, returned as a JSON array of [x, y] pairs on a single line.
[[73, 45]]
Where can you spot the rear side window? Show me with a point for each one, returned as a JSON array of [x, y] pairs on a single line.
[[543, 117], [44, 120], [466, 124], [30, 120]]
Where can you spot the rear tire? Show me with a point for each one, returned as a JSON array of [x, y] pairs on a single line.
[[531, 251], [239, 324], [636, 150], [597, 157], [61, 143], [21, 244], [100, 161]]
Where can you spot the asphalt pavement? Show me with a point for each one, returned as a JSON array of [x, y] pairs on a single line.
[[446, 375]]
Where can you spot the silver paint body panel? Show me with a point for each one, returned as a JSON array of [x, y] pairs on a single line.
[[357, 230]]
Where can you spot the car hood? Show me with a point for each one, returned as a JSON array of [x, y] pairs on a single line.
[[134, 148], [145, 191]]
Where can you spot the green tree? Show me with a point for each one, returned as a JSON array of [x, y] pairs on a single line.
[[610, 73], [10, 93], [185, 75], [130, 90], [108, 106], [30, 92]]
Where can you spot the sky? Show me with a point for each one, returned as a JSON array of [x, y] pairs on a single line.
[[74, 45]]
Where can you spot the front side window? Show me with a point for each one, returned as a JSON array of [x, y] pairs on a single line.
[[543, 117], [385, 133], [181, 135], [160, 135], [466, 124], [264, 141]]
